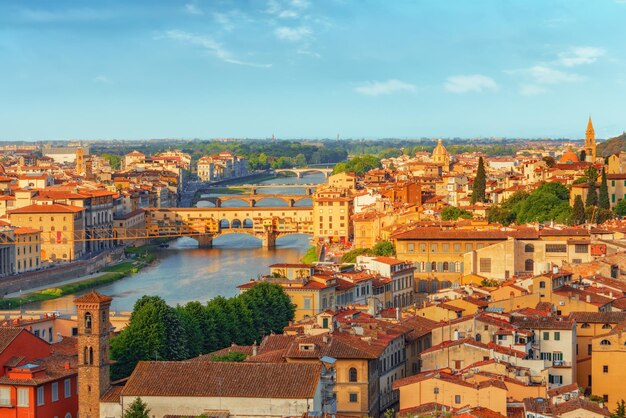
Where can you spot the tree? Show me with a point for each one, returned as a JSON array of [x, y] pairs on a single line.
[[350, 256], [550, 162], [603, 193], [384, 249], [592, 195], [480, 183], [578, 211], [270, 306], [620, 208], [501, 215], [582, 156], [452, 213], [137, 409], [620, 410], [233, 356]]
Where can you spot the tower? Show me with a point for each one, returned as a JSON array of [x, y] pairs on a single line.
[[93, 351], [80, 161], [590, 142], [440, 156]]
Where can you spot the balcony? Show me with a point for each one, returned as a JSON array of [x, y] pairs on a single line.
[[562, 364]]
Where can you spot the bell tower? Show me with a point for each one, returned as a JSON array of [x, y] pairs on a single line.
[[590, 142], [93, 351]]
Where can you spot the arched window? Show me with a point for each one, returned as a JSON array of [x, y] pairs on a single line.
[[88, 320], [90, 355], [542, 285], [606, 326], [605, 342], [433, 266], [352, 375], [68, 415], [529, 248], [478, 337], [86, 356], [529, 265], [446, 266], [585, 325]]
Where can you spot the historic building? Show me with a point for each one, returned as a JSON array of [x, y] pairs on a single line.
[[441, 157], [590, 142]]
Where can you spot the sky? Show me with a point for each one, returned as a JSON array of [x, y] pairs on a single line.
[[121, 69]]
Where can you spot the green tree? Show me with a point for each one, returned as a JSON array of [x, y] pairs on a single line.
[[620, 410], [137, 409], [384, 249], [620, 208], [350, 256], [115, 161], [358, 165], [578, 211], [592, 195], [501, 215], [603, 193], [233, 356], [271, 308], [480, 183], [191, 327], [452, 213], [582, 155]]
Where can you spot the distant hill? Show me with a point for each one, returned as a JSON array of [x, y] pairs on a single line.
[[612, 146]]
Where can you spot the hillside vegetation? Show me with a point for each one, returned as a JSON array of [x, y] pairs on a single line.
[[612, 146]]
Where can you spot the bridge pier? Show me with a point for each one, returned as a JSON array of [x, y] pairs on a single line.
[[252, 203], [268, 239], [205, 241], [309, 191], [292, 203]]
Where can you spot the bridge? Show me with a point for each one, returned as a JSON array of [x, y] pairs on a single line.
[[300, 172], [253, 199], [206, 224], [254, 188]]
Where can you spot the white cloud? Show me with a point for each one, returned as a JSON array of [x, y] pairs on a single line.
[[210, 45], [546, 75], [292, 34], [378, 88], [193, 9], [531, 90], [286, 9], [102, 79], [580, 55], [470, 83]]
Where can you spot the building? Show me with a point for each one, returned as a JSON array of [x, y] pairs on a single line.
[[222, 166], [590, 142], [92, 311], [608, 356], [441, 157], [64, 155], [400, 273], [132, 159], [37, 379], [7, 250], [332, 210], [58, 224], [27, 249]]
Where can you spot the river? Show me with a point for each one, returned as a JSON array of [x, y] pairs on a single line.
[[185, 272]]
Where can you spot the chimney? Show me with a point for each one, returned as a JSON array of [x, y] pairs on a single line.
[[588, 299], [325, 339], [398, 314], [255, 349], [66, 366]]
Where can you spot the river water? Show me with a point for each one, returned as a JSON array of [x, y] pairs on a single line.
[[185, 272]]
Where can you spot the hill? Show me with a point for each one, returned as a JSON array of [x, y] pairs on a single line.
[[612, 146]]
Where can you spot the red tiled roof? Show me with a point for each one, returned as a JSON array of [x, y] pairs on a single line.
[[53, 208], [93, 297]]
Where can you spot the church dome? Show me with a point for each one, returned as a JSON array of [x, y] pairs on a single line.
[[440, 149], [569, 157]]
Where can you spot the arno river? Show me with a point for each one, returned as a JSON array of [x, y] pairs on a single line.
[[185, 272]]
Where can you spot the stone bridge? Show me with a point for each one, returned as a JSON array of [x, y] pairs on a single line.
[[253, 199], [205, 224], [300, 172]]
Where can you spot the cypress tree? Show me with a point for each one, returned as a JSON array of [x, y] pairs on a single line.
[[480, 183], [592, 195], [578, 212], [603, 193]]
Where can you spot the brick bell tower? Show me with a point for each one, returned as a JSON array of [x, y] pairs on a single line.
[[93, 351]]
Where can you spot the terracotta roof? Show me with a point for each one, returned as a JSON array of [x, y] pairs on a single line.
[[8, 334], [464, 234], [551, 322], [53, 208], [93, 297], [222, 379], [598, 317]]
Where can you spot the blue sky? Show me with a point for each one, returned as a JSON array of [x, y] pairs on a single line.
[[311, 68]]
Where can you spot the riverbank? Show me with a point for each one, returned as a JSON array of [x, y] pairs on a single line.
[[141, 257]]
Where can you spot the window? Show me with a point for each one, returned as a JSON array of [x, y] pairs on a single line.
[[410, 248], [585, 325], [588, 349], [556, 248], [354, 397], [457, 248], [55, 391], [554, 379], [485, 265], [457, 399], [5, 396], [352, 375], [581, 248], [88, 321], [546, 336], [433, 248], [605, 342], [307, 303], [445, 248], [422, 248], [605, 368], [557, 336], [68, 388], [542, 284], [606, 326], [529, 265], [468, 247], [40, 396], [605, 398], [68, 415], [22, 397], [529, 248]]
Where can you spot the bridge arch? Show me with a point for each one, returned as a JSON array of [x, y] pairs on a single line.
[[235, 223], [248, 223], [224, 224]]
